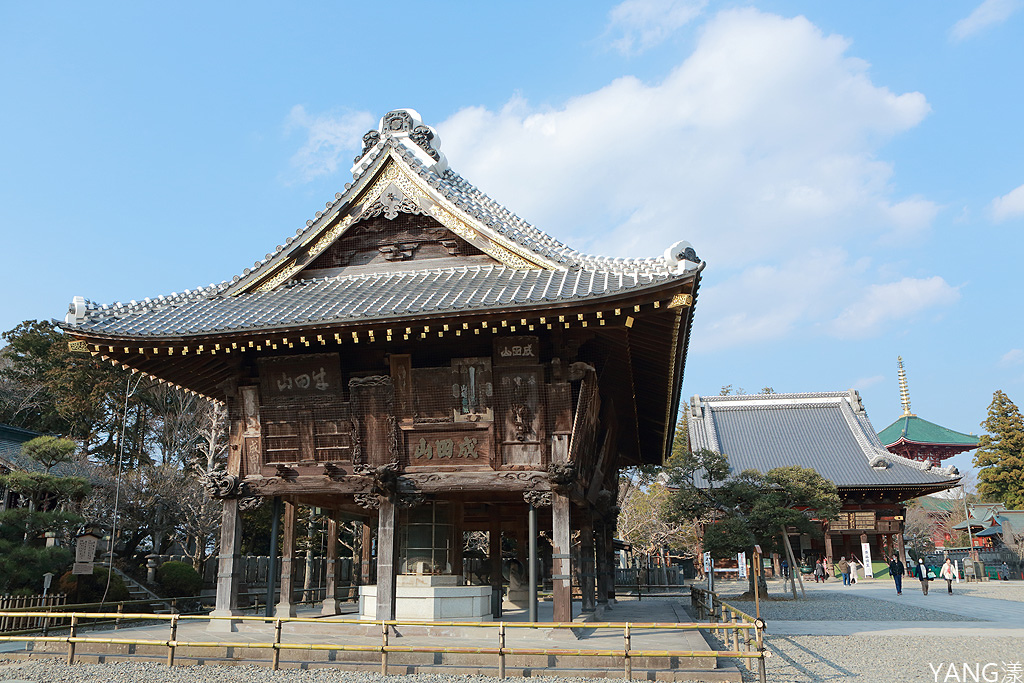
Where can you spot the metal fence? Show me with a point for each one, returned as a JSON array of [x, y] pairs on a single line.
[[740, 623]]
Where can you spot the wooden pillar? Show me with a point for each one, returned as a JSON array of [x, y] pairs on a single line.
[[330, 606], [228, 566], [285, 606], [605, 570], [561, 547], [609, 541], [494, 555], [828, 546], [899, 545], [366, 555], [458, 509], [387, 557], [588, 575], [534, 561]]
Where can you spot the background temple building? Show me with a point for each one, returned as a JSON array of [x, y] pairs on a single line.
[[830, 433], [918, 439], [422, 359]]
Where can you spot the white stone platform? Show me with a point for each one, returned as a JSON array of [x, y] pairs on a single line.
[[431, 598]]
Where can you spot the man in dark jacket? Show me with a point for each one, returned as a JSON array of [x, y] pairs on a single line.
[[896, 571]]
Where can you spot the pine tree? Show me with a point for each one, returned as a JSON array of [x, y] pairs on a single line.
[[1000, 454]]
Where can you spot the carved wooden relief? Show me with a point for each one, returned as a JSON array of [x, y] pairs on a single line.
[[472, 389], [249, 398], [432, 394], [401, 375], [392, 231], [520, 414], [560, 408], [373, 400]]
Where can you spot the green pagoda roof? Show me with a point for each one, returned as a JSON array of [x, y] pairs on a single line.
[[912, 428]]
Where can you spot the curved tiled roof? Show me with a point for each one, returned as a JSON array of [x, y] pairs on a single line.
[[366, 296], [232, 305], [828, 432], [913, 428]]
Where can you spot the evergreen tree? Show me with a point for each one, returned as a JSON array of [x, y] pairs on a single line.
[[1000, 454]]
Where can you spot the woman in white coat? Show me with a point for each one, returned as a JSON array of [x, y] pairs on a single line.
[[948, 572]]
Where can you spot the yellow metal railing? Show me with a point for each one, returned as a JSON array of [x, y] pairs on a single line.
[[384, 648], [708, 604]]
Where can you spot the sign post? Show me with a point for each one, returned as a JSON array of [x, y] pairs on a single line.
[[709, 570], [865, 549]]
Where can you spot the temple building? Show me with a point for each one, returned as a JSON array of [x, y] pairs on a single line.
[[917, 439], [420, 358], [830, 433]]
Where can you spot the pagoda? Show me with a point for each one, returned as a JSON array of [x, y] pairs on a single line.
[[419, 358], [917, 439]]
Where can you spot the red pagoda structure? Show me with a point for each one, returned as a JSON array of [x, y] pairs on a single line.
[[917, 439]]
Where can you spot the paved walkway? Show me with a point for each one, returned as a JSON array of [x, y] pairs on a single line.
[[992, 617]]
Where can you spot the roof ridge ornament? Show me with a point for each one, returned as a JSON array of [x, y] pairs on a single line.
[[402, 127]]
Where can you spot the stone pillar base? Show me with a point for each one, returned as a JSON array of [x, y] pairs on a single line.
[[284, 609], [330, 608], [223, 625]]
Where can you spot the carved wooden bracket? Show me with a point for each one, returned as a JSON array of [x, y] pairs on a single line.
[[538, 499]]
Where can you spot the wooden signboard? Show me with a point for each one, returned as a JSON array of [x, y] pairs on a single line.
[[516, 351], [291, 377], [461, 447]]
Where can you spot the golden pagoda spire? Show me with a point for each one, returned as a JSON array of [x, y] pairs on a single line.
[[904, 391]]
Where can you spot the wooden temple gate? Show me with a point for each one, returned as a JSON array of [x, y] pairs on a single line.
[[421, 359]]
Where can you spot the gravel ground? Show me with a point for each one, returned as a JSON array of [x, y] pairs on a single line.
[[884, 659], [1000, 590], [130, 672], [838, 607]]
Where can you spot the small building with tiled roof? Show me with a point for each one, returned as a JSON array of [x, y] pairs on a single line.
[[417, 354], [917, 439], [830, 433], [11, 459]]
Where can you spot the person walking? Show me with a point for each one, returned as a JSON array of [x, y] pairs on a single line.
[[1004, 572], [922, 574], [896, 570], [785, 569], [844, 568], [819, 572], [948, 572]]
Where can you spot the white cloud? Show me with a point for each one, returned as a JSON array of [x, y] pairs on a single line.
[[897, 302], [1010, 205], [865, 382], [646, 23], [988, 13], [761, 148], [330, 138], [763, 139], [1012, 358]]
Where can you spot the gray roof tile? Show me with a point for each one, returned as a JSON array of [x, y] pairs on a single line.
[[822, 431], [354, 298]]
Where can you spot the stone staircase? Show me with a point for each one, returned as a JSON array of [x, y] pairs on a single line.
[[138, 591]]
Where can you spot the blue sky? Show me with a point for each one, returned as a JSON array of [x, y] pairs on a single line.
[[851, 172]]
